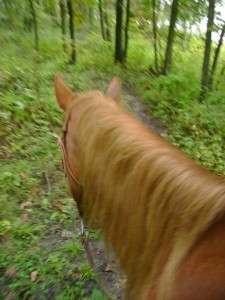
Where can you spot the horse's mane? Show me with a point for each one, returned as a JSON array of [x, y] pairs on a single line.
[[151, 202]]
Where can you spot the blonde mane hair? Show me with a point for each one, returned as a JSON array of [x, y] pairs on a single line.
[[150, 201]]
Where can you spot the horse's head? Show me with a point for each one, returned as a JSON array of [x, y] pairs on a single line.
[[72, 105]]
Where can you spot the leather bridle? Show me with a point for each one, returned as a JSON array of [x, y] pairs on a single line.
[[66, 165]]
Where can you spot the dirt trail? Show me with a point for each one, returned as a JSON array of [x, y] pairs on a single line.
[[142, 112], [106, 265]]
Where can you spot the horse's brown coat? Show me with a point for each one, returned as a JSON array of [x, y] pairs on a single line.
[[162, 213]]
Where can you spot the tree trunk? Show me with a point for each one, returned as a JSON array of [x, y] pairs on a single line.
[[63, 23], [101, 20], [215, 59], [107, 31], [72, 32], [169, 48], [206, 61], [155, 42], [119, 32], [127, 28], [33, 13]]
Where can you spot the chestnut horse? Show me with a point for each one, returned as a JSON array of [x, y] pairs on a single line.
[[163, 214]]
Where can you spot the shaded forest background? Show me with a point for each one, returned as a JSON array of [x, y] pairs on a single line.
[[163, 56]]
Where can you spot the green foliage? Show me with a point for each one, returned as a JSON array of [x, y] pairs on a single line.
[[35, 207], [96, 295], [195, 127]]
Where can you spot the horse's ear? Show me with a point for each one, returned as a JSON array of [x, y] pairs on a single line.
[[63, 94], [114, 90]]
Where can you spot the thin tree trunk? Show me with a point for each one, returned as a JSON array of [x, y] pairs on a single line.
[[169, 48], [119, 32], [154, 23], [33, 12], [127, 29], [206, 62], [107, 31], [72, 32], [63, 23], [101, 20], [217, 52]]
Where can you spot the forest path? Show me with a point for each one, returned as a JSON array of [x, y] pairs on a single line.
[[106, 266], [142, 113]]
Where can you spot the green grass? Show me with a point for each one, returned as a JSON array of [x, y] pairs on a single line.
[[35, 205]]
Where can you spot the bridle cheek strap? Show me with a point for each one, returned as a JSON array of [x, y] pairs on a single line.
[[66, 168], [66, 165]]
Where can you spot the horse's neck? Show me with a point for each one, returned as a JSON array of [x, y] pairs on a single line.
[[202, 274]]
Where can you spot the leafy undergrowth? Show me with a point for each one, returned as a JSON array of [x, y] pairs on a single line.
[[197, 128], [41, 256]]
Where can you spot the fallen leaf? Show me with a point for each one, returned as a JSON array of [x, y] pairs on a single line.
[[33, 275], [55, 228], [7, 155], [98, 252], [120, 284], [68, 234], [11, 272], [25, 204], [24, 218], [108, 268]]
